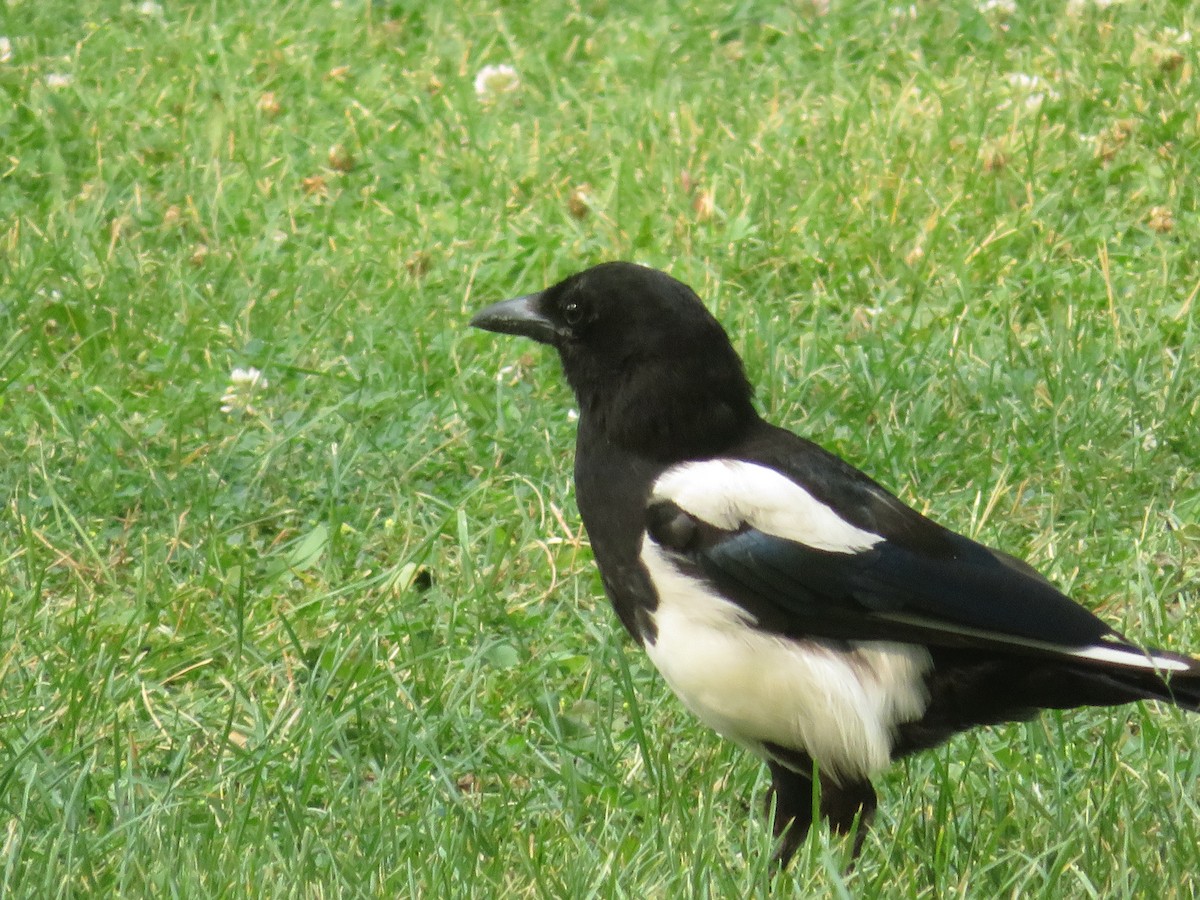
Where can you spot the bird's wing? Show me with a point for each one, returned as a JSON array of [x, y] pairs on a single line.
[[800, 568]]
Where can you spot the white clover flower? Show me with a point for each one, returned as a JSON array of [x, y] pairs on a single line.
[[150, 9], [492, 81], [1035, 90], [1147, 437], [5, 49], [1078, 7], [997, 7], [1022, 82], [58, 80], [249, 376], [243, 385]]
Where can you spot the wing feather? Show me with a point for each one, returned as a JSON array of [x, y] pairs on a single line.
[[816, 574]]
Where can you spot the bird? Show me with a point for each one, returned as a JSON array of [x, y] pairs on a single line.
[[793, 604]]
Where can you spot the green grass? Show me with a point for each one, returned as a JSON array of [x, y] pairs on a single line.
[[352, 643]]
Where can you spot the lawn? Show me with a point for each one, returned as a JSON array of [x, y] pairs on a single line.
[[294, 599]]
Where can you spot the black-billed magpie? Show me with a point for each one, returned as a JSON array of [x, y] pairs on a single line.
[[791, 602]]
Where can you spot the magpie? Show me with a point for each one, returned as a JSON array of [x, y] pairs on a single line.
[[793, 604]]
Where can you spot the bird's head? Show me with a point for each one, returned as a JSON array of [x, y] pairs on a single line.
[[651, 368]]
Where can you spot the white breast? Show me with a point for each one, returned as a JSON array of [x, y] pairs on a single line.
[[839, 706]]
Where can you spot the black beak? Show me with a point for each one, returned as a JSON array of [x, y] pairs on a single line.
[[520, 316]]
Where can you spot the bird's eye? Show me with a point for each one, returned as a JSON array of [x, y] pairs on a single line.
[[572, 314]]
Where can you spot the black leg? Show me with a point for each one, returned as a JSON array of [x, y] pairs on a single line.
[[844, 805], [793, 794]]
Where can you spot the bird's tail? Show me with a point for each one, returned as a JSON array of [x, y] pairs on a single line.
[[1185, 692], [1099, 681], [1180, 688], [1174, 679]]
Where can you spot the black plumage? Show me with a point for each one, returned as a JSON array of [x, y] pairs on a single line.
[[792, 602]]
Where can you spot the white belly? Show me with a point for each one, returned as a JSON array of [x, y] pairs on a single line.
[[840, 706]]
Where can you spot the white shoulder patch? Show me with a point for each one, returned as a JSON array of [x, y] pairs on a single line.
[[728, 493]]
